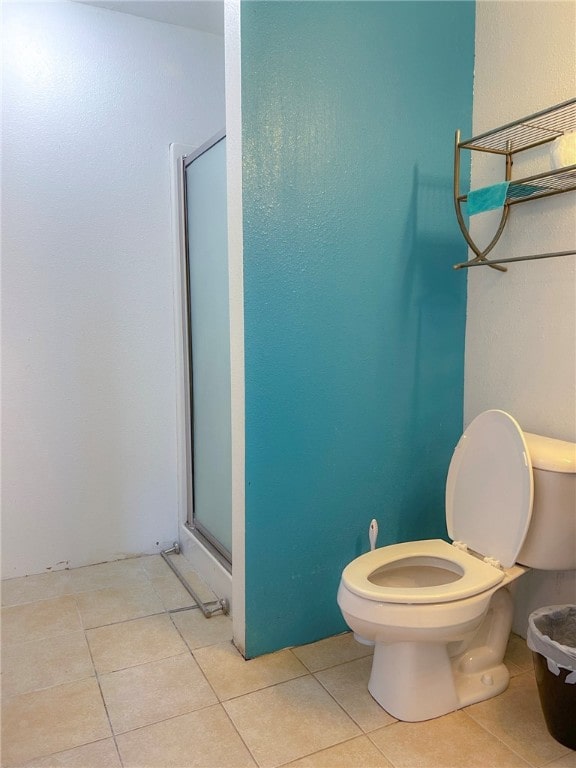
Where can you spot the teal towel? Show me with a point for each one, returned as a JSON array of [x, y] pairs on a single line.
[[487, 198]]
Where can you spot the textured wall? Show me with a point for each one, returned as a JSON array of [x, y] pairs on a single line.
[[354, 320], [521, 326], [92, 100]]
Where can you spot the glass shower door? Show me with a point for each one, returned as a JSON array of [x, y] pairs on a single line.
[[209, 345]]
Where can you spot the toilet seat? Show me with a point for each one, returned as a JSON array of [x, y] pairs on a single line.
[[476, 575], [490, 488], [489, 495]]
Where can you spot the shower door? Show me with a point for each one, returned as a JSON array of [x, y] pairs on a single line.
[[209, 503]]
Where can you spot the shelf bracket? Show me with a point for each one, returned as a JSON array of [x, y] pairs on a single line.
[[528, 132], [489, 263], [480, 255]]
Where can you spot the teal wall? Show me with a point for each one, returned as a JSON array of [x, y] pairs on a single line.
[[354, 318]]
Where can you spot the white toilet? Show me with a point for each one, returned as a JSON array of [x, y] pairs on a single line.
[[440, 614]]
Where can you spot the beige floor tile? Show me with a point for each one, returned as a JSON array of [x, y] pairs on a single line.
[[171, 592], [114, 604], [198, 631], [290, 720], [200, 587], [155, 566], [152, 692], [452, 741], [53, 720], [99, 754], [42, 663], [45, 618], [568, 761], [134, 642], [230, 675], [201, 739], [348, 684], [29, 589], [518, 655], [331, 651], [120, 573], [356, 753], [515, 717]]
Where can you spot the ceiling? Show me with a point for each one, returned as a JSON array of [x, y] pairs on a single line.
[[202, 15]]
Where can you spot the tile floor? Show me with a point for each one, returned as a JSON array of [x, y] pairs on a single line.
[[97, 673]]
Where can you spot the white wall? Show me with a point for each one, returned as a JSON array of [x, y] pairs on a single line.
[[92, 100], [521, 326]]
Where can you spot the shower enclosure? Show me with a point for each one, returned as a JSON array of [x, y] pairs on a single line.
[[208, 347]]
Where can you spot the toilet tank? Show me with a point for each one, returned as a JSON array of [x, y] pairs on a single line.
[[550, 543]]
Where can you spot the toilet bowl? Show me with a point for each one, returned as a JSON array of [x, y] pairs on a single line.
[[439, 614]]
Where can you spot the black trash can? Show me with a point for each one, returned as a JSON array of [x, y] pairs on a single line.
[[552, 639]]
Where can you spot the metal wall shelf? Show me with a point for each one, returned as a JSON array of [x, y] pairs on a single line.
[[508, 140]]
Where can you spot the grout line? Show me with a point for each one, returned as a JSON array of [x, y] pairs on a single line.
[[221, 703], [336, 744], [125, 621], [364, 731], [252, 755], [104, 702], [32, 760], [493, 736]]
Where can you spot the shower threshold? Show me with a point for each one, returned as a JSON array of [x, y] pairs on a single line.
[[208, 609]]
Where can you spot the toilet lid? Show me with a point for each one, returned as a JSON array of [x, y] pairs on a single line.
[[489, 490]]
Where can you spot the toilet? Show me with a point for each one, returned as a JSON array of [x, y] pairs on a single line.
[[439, 614]]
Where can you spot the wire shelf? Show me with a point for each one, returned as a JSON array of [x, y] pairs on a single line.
[[540, 185], [543, 185], [528, 132]]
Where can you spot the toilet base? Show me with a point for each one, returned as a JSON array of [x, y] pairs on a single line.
[[416, 681], [480, 686], [413, 681]]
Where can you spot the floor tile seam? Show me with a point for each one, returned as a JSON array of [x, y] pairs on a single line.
[[172, 717], [144, 663], [329, 692], [166, 608], [6, 644], [300, 677], [330, 666], [142, 585], [40, 600], [77, 568], [165, 719], [495, 737], [555, 759], [36, 600], [59, 752], [233, 724], [389, 757], [191, 652], [134, 585], [261, 688], [292, 649], [124, 621], [76, 746], [73, 593], [318, 751], [127, 621], [113, 735], [7, 698]]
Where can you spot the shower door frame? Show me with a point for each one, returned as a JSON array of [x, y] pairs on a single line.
[[222, 554]]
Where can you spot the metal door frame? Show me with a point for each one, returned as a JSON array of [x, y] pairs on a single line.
[[211, 543]]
